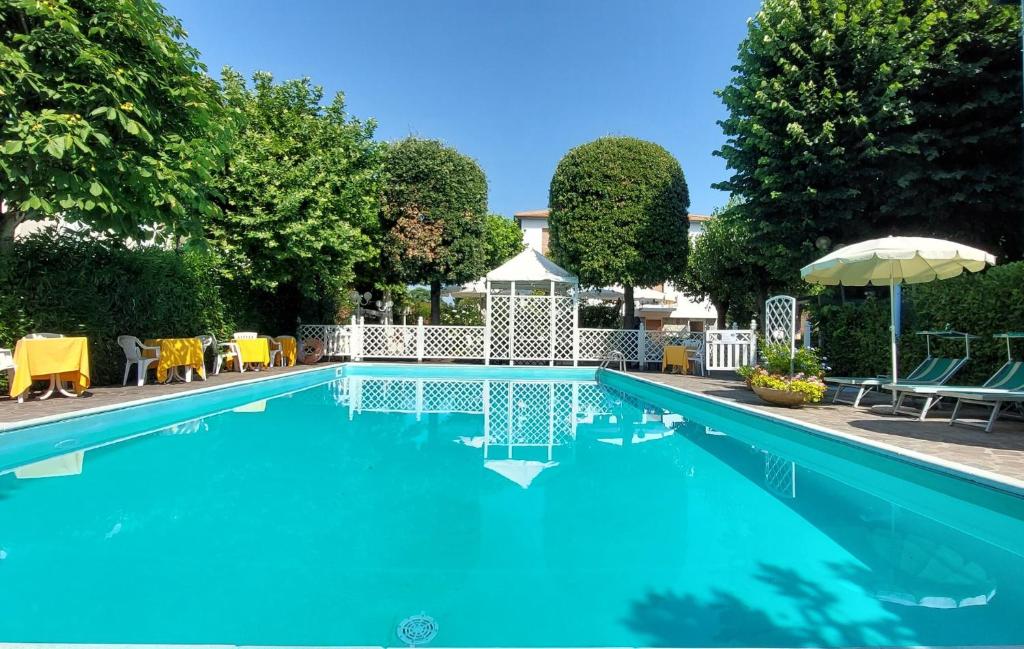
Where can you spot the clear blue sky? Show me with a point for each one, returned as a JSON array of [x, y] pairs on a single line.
[[514, 84]]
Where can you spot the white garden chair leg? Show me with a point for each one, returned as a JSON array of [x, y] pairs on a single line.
[[127, 368]]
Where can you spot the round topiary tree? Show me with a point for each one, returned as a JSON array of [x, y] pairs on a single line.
[[433, 216], [619, 215]]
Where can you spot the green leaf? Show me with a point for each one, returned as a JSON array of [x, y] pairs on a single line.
[[95, 188], [12, 146]]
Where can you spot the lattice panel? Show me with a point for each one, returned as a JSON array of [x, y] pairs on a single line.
[[498, 319], [453, 396], [564, 308], [453, 342], [654, 345], [336, 339], [593, 400], [595, 344], [780, 319], [780, 475], [531, 327], [389, 341]]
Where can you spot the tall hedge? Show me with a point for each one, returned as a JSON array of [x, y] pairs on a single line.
[[855, 338], [78, 285]]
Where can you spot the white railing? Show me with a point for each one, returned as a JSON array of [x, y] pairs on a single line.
[[719, 349], [728, 349]]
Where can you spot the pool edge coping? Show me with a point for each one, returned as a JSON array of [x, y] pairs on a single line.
[[977, 475], [8, 427]]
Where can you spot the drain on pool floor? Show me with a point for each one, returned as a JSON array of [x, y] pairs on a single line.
[[417, 629]]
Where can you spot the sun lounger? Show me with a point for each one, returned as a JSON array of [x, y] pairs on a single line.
[[931, 371], [1008, 378], [999, 400]]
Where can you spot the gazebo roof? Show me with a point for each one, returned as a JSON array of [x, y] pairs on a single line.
[[530, 266]]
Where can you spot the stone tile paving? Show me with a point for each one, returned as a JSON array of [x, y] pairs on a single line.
[[1001, 451], [12, 411]]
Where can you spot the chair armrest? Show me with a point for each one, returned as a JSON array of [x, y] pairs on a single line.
[[155, 350], [231, 348]]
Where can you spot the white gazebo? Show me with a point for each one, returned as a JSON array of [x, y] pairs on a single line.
[[531, 310]]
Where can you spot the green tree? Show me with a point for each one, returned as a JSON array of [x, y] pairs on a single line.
[[857, 118], [619, 215], [503, 240], [298, 195], [720, 268], [108, 117], [433, 215]]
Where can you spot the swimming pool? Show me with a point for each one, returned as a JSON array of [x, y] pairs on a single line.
[[513, 506]]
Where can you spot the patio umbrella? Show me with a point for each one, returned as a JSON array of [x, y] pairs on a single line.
[[895, 260]]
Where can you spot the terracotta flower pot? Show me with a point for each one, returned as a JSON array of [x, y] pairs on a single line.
[[780, 397]]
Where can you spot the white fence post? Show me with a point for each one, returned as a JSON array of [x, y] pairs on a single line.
[[420, 335], [356, 340]]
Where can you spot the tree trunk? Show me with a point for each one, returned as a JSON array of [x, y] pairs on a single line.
[[762, 297], [9, 222], [629, 307], [435, 302], [721, 308]]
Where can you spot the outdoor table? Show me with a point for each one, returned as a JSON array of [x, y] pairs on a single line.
[[253, 351], [57, 359], [676, 355], [178, 352], [289, 349]]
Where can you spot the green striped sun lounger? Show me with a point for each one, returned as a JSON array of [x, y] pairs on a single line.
[[932, 371], [1008, 378], [1000, 401]]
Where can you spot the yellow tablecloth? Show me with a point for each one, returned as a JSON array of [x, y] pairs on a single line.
[[254, 350], [39, 358], [177, 352], [289, 349], [676, 355]]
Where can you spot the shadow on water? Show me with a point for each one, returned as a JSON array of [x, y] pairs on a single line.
[[723, 619]]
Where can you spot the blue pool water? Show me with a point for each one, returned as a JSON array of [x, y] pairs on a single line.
[[517, 508]]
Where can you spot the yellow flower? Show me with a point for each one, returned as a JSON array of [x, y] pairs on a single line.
[[128, 106]]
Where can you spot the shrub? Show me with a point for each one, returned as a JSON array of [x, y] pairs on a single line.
[[811, 387], [75, 284], [600, 316], [776, 360]]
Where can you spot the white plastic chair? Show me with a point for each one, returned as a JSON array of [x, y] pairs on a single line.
[[134, 354], [222, 352], [280, 339], [276, 350], [245, 335], [7, 364]]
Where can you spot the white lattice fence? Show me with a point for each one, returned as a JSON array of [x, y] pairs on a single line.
[[336, 339], [595, 344], [728, 349], [499, 318], [656, 341], [388, 341], [463, 342]]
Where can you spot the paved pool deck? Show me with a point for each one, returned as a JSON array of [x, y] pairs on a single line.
[[114, 395], [1000, 452]]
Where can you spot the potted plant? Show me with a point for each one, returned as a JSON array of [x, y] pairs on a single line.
[[775, 384]]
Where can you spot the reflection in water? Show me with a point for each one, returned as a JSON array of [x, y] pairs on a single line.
[[527, 424], [54, 467], [524, 422]]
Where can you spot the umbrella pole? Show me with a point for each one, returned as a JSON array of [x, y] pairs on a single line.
[[892, 328]]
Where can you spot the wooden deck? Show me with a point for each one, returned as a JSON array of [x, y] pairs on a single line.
[[1000, 452]]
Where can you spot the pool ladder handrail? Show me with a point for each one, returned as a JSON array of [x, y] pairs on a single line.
[[612, 356]]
